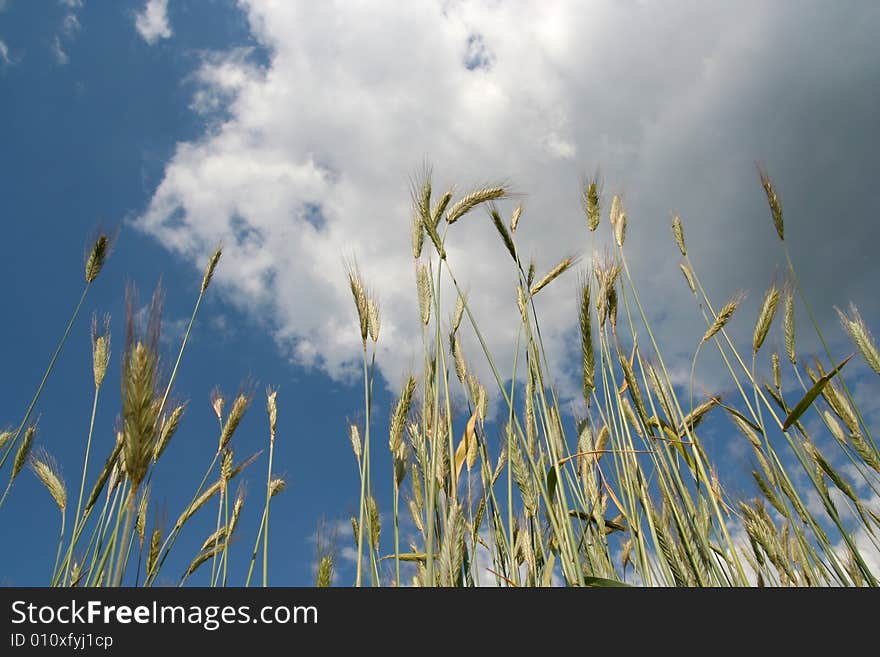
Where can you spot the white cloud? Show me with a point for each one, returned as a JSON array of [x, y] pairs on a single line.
[[58, 51], [152, 23], [349, 554], [220, 78], [868, 551], [866, 544], [70, 27], [487, 573], [4, 53], [544, 93]]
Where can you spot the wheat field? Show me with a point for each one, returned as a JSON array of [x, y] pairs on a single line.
[[623, 493]]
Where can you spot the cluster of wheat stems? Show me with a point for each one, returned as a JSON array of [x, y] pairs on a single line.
[[629, 495], [625, 494], [111, 541]]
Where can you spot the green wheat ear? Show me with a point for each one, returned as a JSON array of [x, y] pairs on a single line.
[[765, 318], [861, 337], [96, 258], [773, 201]]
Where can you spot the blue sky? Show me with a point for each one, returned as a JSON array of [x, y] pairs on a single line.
[[90, 140], [290, 133]]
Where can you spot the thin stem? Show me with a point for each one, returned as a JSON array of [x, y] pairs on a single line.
[[256, 549], [169, 541], [36, 396], [266, 516], [122, 556], [82, 483], [364, 458]]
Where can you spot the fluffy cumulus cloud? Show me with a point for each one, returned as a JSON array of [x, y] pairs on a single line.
[[307, 159], [152, 22]]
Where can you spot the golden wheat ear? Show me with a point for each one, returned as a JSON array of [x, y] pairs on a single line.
[[47, 471]]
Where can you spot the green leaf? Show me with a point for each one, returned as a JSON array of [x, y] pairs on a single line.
[[733, 411], [775, 396], [801, 407], [551, 482], [407, 556], [602, 581]]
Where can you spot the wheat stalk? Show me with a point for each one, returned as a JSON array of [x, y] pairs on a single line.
[[722, 317], [765, 317]]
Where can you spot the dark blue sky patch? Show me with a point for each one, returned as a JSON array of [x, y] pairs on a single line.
[[222, 25], [177, 218], [245, 233], [477, 55], [311, 213], [330, 172], [268, 278]]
